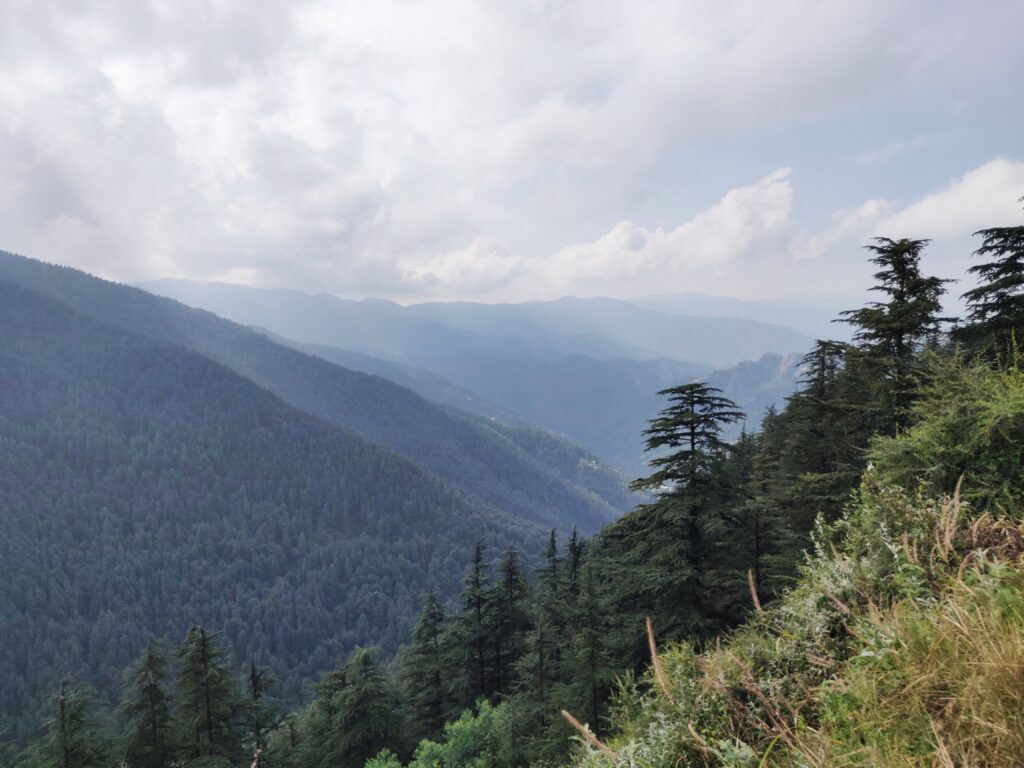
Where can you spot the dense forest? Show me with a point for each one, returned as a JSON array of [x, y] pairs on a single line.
[[145, 486], [489, 469], [589, 369], [840, 588]]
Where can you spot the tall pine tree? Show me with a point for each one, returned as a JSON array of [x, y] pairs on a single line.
[[208, 700], [151, 736], [995, 308], [425, 673], [893, 331], [659, 552], [73, 739], [507, 621]]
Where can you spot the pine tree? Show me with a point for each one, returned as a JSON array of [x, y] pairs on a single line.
[[260, 716], [541, 665], [995, 308], [208, 699], [364, 721], [470, 635], [151, 738], [894, 330], [507, 621], [571, 571], [823, 431], [657, 553], [72, 738], [590, 670], [424, 670]]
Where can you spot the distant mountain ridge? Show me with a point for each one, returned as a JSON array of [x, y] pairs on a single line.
[[600, 328], [483, 464], [641, 333], [813, 319], [160, 466], [526, 364]]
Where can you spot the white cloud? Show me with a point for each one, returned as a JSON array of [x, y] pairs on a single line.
[[846, 224], [634, 259], [984, 197], [358, 147], [484, 266]]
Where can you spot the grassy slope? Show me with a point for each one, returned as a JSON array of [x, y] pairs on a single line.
[[903, 644]]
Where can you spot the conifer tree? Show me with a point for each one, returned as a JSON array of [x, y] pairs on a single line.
[[151, 738], [507, 621], [208, 699], [590, 670], [995, 308], [424, 673], [72, 739], [823, 430], [260, 716], [364, 721], [658, 552], [546, 639], [571, 571], [470, 641], [894, 330]]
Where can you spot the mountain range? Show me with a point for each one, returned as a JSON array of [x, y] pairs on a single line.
[[294, 471], [161, 466], [587, 369]]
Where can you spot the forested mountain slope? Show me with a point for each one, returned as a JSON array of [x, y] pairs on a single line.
[[144, 487], [487, 468], [588, 369], [553, 451]]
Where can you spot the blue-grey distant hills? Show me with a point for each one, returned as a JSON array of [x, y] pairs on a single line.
[[600, 328], [160, 466], [589, 369], [811, 318]]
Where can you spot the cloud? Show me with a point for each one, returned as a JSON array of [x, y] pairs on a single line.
[[846, 224], [446, 146], [485, 265], [632, 258], [984, 197]]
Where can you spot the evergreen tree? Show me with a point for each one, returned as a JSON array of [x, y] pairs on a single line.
[[424, 672], [995, 308], [260, 716], [658, 552], [590, 669], [72, 738], [364, 721], [822, 432], [208, 699], [895, 330], [571, 571], [545, 641], [151, 738], [470, 641], [507, 621]]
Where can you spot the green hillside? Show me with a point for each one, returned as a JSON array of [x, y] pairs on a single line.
[[486, 468]]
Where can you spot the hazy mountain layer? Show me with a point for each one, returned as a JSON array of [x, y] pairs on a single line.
[[811, 319], [488, 469], [643, 333], [144, 487]]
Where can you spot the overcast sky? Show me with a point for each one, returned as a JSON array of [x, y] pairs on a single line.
[[507, 150]]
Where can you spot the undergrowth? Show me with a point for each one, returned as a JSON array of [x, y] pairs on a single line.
[[903, 642]]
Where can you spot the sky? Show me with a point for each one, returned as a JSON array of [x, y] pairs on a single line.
[[504, 151]]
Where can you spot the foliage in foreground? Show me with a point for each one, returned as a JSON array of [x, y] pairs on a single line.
[[902, 645]]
